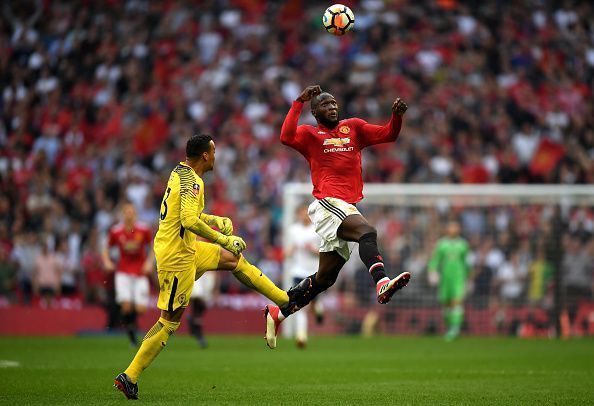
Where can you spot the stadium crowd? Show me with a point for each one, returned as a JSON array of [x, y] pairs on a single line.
[[98, 100]]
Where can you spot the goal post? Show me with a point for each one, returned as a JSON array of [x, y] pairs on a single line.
[[520, 236]]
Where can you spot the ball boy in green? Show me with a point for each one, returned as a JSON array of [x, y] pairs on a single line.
[[448, 266]]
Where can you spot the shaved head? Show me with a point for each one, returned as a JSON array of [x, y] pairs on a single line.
[[317, 99]]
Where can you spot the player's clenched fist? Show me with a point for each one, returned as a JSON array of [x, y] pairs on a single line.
[[233, 244], [309, 92], [224, 224], [399, 107]]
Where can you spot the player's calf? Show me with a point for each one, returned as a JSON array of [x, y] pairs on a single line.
[[306, 290]]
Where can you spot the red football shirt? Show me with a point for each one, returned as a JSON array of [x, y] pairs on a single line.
[[133, 245], [334, 155]]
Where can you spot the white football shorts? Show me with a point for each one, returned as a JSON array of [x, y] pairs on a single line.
[[327, 215], [132, 288], [204, 286]]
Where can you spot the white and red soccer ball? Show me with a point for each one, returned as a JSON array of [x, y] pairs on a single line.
[[338, 19]]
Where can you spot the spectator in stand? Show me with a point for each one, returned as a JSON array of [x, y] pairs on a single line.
[[488, 260], [540, 275], [69, 278], [496, 93], [47, 275], [578, 275], [509, 280], [25, 253], [8, 270], [94, 275]]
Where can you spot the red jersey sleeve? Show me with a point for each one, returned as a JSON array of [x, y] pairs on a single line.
[[291, 134], [370, 134], [111, 240]]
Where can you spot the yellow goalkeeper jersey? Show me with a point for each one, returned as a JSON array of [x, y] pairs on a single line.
[[183, 198]]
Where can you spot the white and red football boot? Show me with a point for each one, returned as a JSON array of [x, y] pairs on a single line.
[[386, 287], [271, 314]]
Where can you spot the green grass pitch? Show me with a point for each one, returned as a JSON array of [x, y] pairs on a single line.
[[331, 371]]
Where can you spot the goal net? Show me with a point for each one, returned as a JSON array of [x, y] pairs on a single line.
[[531, 259]]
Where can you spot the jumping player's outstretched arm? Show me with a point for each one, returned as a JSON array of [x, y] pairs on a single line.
[[290, 134], [371, 134]]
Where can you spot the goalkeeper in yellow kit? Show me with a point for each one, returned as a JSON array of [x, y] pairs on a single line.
[[181, 259]]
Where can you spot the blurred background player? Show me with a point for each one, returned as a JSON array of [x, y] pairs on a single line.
[[449, 268], [200, 299], [333, 151], [182, 259], [302, 254], [134, 243]]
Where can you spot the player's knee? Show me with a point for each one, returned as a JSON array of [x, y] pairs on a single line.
[[367, 233], [169, 326], [126, 307], [198, 307], [228, 261]]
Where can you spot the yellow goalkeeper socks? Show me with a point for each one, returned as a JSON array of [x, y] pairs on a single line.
[[152, 344], [253, 278]]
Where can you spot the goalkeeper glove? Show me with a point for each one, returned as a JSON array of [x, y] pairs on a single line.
[[433, 278], [232, 243], [224, 224]]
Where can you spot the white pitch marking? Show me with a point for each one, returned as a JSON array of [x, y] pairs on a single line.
[[4, 363]]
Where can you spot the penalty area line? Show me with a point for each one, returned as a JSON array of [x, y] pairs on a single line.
[[5, 363]]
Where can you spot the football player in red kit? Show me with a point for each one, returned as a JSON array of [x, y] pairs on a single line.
[[333, 151], [134, 243]]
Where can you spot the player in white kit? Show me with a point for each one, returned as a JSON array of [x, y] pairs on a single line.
[[302, 254], [200, 299]]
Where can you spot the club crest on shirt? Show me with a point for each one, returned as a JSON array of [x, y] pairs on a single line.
[[337, 142], [344, 129], [196, 189]]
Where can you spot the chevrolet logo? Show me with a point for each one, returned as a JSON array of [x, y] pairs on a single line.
[[337, 142]]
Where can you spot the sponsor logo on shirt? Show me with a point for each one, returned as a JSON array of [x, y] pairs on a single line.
[[321, 132], [339, 145], [338, 142], [130, 246]]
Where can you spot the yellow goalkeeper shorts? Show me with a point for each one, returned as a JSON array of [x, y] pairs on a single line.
[[175, 287]]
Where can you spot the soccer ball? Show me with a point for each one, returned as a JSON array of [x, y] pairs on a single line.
[[338, 19]]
